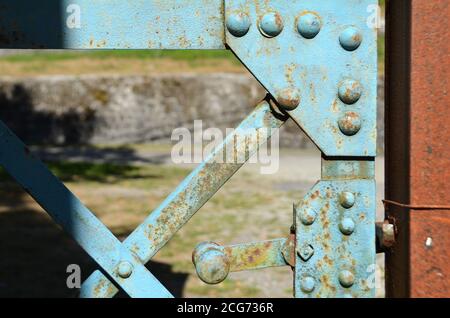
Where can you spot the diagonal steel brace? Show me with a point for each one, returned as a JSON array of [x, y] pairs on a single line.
[[189, 196]]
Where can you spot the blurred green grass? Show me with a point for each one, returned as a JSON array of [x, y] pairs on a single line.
[[183, 55]]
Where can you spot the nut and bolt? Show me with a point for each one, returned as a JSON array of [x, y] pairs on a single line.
[[306, 252], [385, 232]]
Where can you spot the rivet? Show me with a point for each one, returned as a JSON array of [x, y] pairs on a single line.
[[350, 91], [350, 123], [306, 252], [238, 24], [309, 25], [308, 216], [211, 263], [347, 226], [346, 278], [271, 24], [289, 98], [125, 269], [350, 38], [308, 284], [347, 199]]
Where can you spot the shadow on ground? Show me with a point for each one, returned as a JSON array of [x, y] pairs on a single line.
[[35, 252]]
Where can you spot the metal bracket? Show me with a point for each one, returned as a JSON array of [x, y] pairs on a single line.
[[318, 60], [335, 230]]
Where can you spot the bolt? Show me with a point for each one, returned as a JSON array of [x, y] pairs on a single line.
[[308, 216], [125, 269], [350, 38], [289, 98], [307, 284], [385, 233], [306, 252], [346, 278], [350, 123], [271, 24], [238, 24], [347, 199], [309, 25], [347, 226], [211, 263], [350, 91]]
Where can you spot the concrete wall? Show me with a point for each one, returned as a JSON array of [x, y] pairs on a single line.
[[129, 109]]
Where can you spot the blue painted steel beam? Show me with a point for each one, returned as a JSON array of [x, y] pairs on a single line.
[[112, 24], [76, 219], [190, 196], [335, 226]]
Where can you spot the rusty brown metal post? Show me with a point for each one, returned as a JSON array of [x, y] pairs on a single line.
[[418, 147]]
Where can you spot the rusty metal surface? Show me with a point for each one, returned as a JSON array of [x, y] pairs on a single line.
[[338, 233], [385, 232], [417, 146], [192, 193], [256, 255], [112, 24]]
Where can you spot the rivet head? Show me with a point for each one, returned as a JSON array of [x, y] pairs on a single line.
[[350, 91], [125, 269], [347, 226], [289, 98], [308, 216], [351, 38], [350, 123], [346, 278], [271, 24], [238, 24], [211, 263], [347, 199], [309, 25], [306, 252], [307, 284]]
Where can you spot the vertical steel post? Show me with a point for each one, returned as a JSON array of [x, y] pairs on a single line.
[[417, 147]]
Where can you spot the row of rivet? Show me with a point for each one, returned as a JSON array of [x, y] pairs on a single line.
[[346, 279], [350, 92], [346, 226], [308, 25]]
